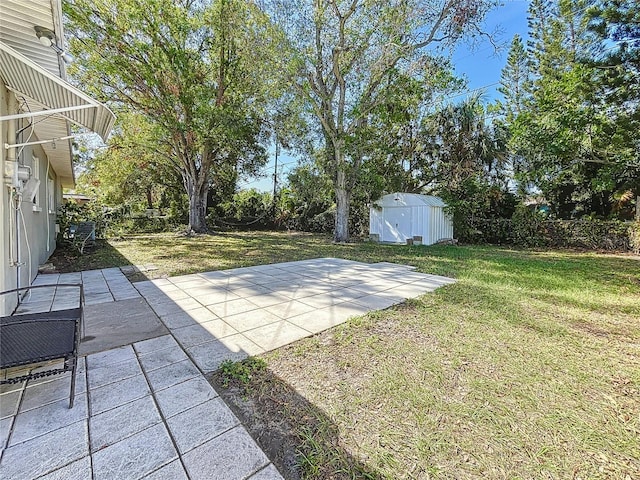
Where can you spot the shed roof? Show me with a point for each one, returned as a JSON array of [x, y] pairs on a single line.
[[400, 199]]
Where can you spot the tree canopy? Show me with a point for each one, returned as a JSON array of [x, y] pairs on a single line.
[[200, 73], [343, 53], [572, 132], [204, 87]]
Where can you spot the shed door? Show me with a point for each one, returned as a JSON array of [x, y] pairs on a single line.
[[397, 224]]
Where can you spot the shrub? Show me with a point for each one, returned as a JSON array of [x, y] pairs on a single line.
[[529, 229]]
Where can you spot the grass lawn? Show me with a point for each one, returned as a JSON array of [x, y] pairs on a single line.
[[527, 367]]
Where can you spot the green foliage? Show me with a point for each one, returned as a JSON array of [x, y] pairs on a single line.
[[201, 73], [467, 165], [241, 372], [308, 197], [515, 81], [530, 229], [572, 135], [72, 213], [246, 208], [526, 228], [248, 203], [346, 57], [131, 171]]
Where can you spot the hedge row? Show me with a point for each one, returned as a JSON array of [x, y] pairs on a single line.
[[532, 231]]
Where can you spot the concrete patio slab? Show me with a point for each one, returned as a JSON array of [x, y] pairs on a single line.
[[276, 335], [135, 456], [162, 358], [116, 394], [245, 306], [173, 471], [232, 456], [48, 418], [78, 469], [201, 423], [143, 407], [109, 325], [173, 374], [121, 422], [181, 397], [40, 394], [46, 453], [267, 473], [209, 356]]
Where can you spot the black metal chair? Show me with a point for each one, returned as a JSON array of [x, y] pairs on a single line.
[[84, 233], [33, 338]]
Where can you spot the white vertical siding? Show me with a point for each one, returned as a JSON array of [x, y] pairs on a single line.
[[7, 279], [418, 221], [375, 222], [405, 215], [441, 226]]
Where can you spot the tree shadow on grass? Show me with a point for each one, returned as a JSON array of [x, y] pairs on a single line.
[[101, 254], [297, 436]]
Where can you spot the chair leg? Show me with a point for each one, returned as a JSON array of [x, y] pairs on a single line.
[[72, 394]]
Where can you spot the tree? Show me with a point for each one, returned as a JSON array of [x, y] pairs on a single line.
[[570, 140], [616, 58], [344, 51], [199, 72], [130, 172], [515, 80], [466, 157], [395, 157]]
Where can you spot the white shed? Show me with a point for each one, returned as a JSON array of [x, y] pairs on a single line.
[[398, 217]]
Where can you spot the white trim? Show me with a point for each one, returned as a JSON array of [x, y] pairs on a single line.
[[44, 112], [39, 142], [21, 74], [35, 171]]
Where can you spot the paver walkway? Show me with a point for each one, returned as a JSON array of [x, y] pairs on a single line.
[[145, 410]]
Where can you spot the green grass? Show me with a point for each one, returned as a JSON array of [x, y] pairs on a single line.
[[527, 367]]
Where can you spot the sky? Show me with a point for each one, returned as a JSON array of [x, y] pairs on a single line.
[[481, 66]]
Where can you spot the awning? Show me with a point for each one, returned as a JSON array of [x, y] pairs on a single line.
[[45, 91]]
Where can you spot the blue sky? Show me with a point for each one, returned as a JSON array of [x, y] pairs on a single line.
[[480, 66]]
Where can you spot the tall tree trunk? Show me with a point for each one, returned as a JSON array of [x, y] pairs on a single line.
[[197, 205], [149, 198], [343, 203]]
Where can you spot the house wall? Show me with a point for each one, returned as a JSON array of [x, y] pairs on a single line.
[[6, 303], [35, 221]]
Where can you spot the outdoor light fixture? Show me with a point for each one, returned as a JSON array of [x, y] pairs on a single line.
[[46, 36], [48, 39]]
